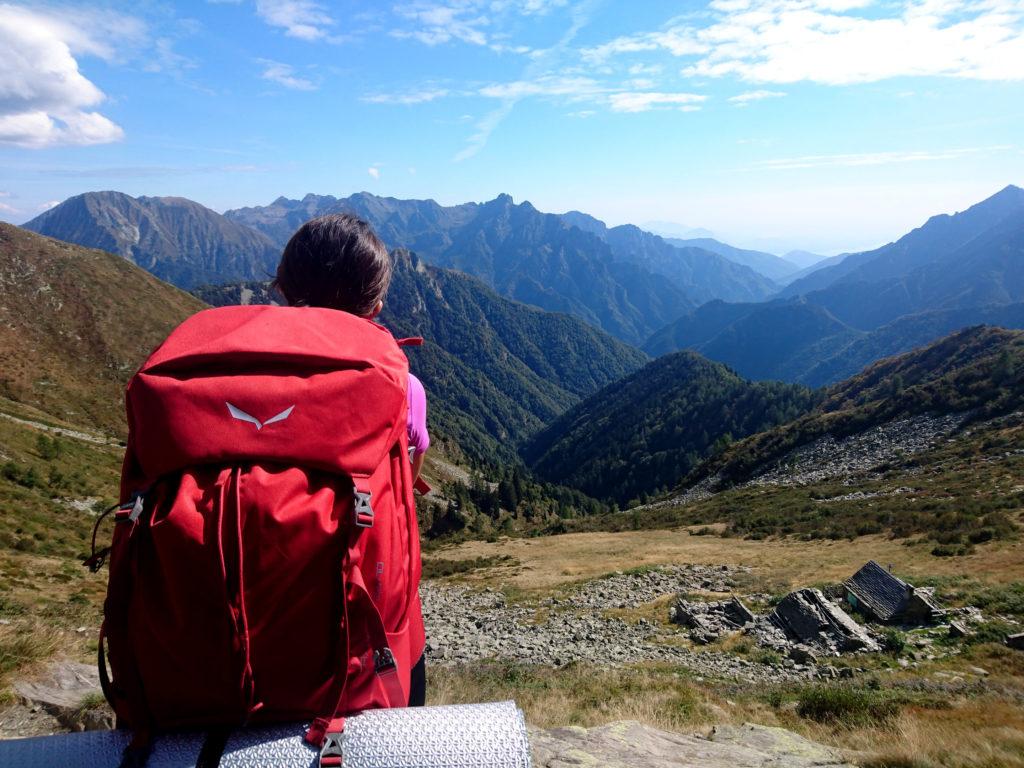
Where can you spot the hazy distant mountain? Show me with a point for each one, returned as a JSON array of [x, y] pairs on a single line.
[[803, 259], [527, 255], [648, 431], [767, 264], [772, 340], [953, 271], [175, 239], [496, 370], [702, 271], [933, 242], [669, 229]]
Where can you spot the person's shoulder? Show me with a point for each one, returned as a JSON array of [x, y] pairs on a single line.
[[416, 387]]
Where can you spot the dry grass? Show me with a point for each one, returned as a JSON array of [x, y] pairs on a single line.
[[548, 563], [934, 733]]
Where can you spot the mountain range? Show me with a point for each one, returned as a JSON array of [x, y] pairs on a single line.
[[613, 278], [954, 270], [177, 240]]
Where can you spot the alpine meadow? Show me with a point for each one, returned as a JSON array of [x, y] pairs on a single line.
[[512, 382]]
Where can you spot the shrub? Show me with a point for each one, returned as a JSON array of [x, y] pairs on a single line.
[[846, 705]]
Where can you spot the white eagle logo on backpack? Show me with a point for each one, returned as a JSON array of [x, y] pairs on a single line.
[[241, 415]]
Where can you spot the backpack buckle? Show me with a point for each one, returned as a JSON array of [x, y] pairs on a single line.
[[330, 752], [383, 660], [363, 509]]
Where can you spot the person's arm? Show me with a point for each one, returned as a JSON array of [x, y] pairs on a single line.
[[419, 438]]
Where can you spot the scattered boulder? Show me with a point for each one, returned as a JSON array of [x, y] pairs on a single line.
[[630, 744], [808, 617], [1016, 641], [709, 621]]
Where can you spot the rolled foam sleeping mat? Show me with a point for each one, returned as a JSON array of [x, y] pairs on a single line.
[[458, 736]]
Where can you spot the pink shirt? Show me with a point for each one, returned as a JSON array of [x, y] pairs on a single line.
[[419, 438]]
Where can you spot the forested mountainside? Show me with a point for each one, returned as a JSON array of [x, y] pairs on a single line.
[[978, 369], [75, 323], [953, 271], [645, 433], [496, 370], [177, 240]]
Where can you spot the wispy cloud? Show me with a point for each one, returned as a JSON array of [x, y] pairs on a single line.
[[374, 172], [475, 22], [301, 19], [743, 99], [644, 101], [575, 88], [407, 97], [284, 74], [839, 42], [874, 158]]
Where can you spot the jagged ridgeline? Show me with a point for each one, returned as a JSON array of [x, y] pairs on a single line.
[[496, 370], [978, 370], [621, 279], [75, 323], [645, 433]]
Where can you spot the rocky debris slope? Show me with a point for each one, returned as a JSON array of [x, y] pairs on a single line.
[[847, 459], [630, 744], [465, 625]]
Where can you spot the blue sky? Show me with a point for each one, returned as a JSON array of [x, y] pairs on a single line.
[[821, 124]]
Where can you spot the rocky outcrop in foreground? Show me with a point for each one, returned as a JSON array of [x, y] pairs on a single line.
[[630, 744]]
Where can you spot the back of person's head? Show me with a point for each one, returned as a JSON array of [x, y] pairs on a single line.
[[335, 261]]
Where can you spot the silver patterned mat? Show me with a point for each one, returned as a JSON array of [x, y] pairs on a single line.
[[463, 736]]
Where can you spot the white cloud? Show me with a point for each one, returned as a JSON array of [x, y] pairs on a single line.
[[8, 208], [839, 42], [302, 19], [374, 172], [875, 158], [644, 101], [574, 88], [48, 205], [284, 74], [743, 99], [409, 97], [45, 100]]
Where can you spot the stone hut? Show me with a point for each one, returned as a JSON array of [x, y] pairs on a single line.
[[884, 598]]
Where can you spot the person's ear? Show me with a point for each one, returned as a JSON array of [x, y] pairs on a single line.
[[377, 308]]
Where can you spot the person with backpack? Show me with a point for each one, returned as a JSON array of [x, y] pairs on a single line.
[[265, 564], [338, 262]]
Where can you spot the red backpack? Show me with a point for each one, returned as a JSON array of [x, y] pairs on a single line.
[[265, 563]]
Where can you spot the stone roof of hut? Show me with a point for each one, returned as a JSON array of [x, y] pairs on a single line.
[[881, 593]]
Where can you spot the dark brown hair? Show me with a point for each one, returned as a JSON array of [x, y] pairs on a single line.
[[335, 261]]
